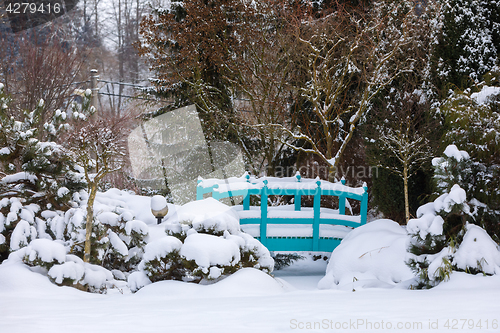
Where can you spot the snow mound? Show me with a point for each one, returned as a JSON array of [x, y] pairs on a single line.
[[17, 278], [208, 250], [245, 282], [46, 250], [478, 250], [456, 196], [161, 247], [207, 214], [372, 255]]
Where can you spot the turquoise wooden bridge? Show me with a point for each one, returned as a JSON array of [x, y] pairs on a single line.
[[290, 227]]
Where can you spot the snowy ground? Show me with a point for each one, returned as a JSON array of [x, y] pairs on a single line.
[[248, 301]]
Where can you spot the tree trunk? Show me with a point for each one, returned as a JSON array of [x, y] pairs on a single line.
[[90, 218], [407, 204]]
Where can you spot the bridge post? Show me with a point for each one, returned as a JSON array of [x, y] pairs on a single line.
[[364, 205], [215, 194], [199, 190], [298, 197], [263, 214], [246, 199], [316, 208], [342, 199]]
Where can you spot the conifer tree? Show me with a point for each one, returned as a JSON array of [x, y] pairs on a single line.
[[469, 42]]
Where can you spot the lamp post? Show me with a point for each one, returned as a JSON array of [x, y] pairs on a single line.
[[159, 207]]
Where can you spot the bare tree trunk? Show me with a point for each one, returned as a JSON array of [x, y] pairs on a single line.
[[90, 218], [405, 181]]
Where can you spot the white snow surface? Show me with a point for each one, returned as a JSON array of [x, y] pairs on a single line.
[[485, 93], [207, 214], [248, 301], [158, 202], [478, 247], [208, 250], [453, 151]]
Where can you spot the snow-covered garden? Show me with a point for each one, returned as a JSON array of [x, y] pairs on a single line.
[[143, 274], [363, 287], [371, 130]]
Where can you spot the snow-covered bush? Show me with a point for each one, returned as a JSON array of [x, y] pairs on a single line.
[[372, 255], [118, 238], [481, 194], [162, 261], [76, 273], [36, 172], [443, 240], [203, 243], [43, 238], [44, 253]]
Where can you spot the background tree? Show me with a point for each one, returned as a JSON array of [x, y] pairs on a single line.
[[27, 66], [401, 117], [402, 141], [472, 124], [468, 43], [186, 45], [346, 62], [98, 147], [260, 76]]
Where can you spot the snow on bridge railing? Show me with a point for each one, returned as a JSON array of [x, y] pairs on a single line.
[[320, 218]]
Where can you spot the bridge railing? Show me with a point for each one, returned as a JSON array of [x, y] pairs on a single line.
[[318, 217]]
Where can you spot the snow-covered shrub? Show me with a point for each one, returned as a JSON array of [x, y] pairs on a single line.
[[472, 122], [205, 216], [372, 255], [39, 234], [203, 242], [162, 261], [36, 171], [44, 253], [17, 224], [439, 245], [76, 273], [118, 239]]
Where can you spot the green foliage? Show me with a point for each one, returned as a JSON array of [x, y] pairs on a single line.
[[282, 260], [475, 128], [33, 165], [172, 267], [468, 43], [387, 188]]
